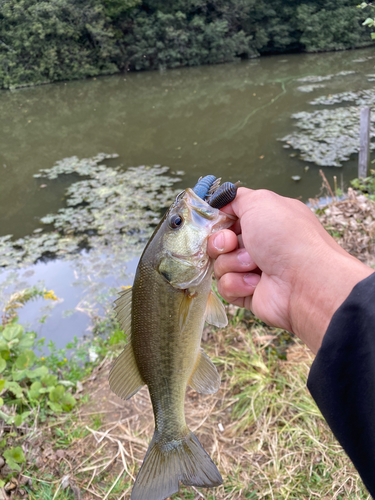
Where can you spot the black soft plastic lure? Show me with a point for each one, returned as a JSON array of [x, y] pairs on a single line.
[[224, 195], [208, 188]]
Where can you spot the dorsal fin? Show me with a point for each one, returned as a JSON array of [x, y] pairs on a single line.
[[205, 378], [123, 309], [215, 311]]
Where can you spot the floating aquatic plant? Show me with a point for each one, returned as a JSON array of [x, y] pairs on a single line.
[[109, 208], [310, 88], [317, 79], [330, 136], [360, 98]]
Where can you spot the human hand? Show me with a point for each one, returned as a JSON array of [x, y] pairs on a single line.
[[279, 262]]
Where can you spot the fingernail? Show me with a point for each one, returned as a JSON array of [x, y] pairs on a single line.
[[219, 242], [251, 279], [244, 257]]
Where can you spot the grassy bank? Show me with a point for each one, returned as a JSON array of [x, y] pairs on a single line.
[[262, 427]]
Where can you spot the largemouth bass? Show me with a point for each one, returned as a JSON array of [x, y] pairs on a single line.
[[164, 314]]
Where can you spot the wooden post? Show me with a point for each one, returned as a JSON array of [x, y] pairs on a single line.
[[364, 143]]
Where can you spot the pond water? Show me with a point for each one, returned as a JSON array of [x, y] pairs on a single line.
[[225, 120]]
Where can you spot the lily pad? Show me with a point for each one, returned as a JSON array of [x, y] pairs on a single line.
[[329, 136], [109, 207]]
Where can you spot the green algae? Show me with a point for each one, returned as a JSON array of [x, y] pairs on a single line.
[[109, 208]]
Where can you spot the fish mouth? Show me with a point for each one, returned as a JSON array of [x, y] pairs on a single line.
[[201, 207]]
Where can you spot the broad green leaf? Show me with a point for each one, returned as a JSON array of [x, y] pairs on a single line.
[[19, 374], [3, 364], [2, 385], [41, 371], [14, 456], [12, 332], [15, 388], [3, 345], [44, 390], [25, 360], [369, 22], [2, 483], [34, 391], [27, 341], [17, 454], [49, 380], [67, 401], [5, 354], [55, 407], [56, 394], [67, 383], [1, 401]]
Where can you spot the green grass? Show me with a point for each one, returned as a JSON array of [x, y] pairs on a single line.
[[275, 444]]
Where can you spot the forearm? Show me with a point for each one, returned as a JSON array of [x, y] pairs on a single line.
[[316, 298]]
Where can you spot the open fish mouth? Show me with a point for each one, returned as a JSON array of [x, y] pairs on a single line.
[[201, 211]]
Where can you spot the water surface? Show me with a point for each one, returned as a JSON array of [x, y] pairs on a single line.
[[223, 120]]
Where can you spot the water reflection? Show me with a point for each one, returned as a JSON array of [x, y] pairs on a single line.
[[81, 286]]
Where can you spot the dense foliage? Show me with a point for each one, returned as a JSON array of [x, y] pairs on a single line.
[[44, 41]]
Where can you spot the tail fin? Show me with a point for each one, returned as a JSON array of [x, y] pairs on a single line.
[[166, 464]]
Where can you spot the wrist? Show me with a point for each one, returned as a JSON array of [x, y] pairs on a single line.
[[319, 294]]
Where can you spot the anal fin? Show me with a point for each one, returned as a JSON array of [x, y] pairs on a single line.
[[124, 377], [205, 378]]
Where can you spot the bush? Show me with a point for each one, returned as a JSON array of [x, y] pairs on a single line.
[[44, 41]]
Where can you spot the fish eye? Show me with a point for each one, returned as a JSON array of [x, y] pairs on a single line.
[[175, 221]]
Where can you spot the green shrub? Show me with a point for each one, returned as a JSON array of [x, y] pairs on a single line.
[[42, 41], [366, 185]]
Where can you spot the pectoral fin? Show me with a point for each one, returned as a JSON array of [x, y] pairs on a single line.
[[185, 309], [215, 312], [123, 309], [124, 377], [205, 378]]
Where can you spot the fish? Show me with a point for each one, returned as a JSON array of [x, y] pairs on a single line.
[[164, 314]]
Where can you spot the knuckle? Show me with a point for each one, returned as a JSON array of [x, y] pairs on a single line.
[[226, 283], [219, 267], [265, 195]]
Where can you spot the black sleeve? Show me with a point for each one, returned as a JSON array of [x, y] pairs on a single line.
[[342, 378]]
